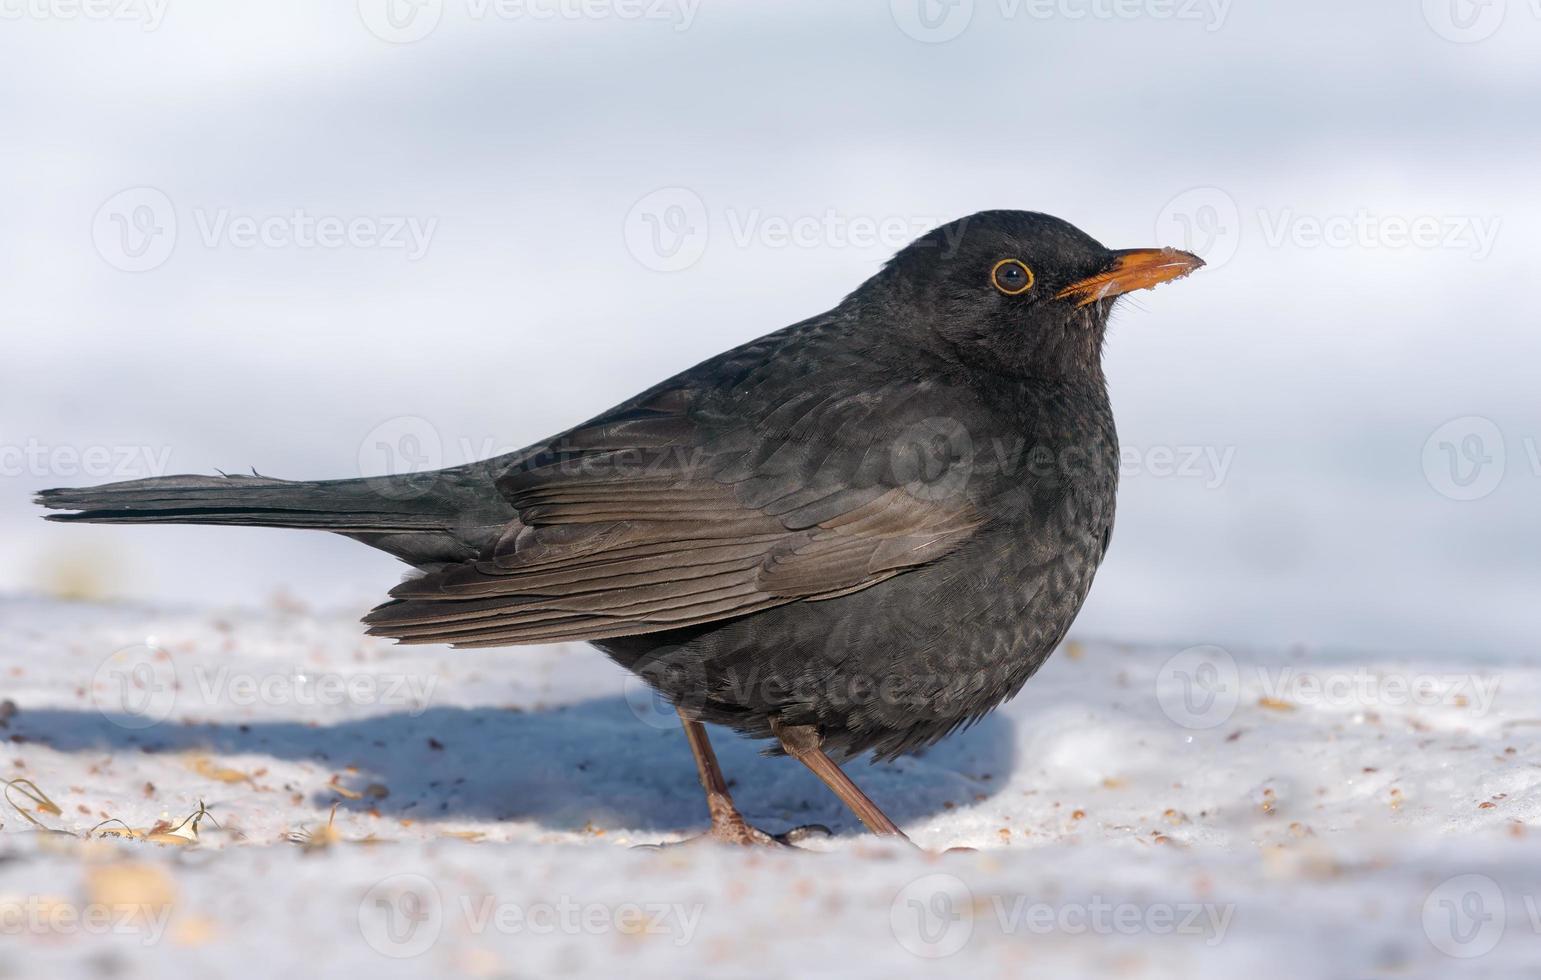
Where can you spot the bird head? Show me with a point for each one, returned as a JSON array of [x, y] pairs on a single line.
[[1014, 291]]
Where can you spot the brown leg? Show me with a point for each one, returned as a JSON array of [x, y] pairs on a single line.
[[802, 743], [728, 825]]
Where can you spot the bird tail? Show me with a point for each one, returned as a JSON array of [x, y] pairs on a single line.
[[413, 502]]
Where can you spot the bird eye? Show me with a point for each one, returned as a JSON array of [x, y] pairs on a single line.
[[1012, 277]]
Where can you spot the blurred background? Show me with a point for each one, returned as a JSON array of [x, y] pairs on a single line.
[[320, 240]]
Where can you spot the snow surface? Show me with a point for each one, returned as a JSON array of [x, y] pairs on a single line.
[[1135, 812]]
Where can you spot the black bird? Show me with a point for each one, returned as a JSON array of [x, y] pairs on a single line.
[[857, 533]]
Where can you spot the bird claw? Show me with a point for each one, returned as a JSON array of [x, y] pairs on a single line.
[[807, 831], [741, 834]]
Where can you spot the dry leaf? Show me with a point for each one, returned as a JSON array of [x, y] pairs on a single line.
[[204, 766], [29, 790]]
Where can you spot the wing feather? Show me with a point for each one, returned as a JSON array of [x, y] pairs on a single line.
[[655, 518]]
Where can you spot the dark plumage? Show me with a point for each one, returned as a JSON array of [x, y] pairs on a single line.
[[878, 522]]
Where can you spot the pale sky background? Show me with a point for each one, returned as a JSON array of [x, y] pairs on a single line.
[[528, 152]]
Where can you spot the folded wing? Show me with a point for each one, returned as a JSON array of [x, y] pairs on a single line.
[[668, 514]]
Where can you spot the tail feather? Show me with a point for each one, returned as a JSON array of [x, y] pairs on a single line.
[[384, 504]]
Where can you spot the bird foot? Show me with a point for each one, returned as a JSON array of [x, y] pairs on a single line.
[[738, 832]]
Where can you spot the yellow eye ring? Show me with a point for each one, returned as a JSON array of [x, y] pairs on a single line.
[[1011, 276]]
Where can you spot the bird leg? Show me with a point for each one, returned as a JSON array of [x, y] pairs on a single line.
[[802, 742], [728, 825]]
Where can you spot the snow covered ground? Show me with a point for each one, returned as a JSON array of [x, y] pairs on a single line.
[[385, 811]]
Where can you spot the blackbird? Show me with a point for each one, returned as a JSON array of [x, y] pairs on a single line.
[[855, 534]]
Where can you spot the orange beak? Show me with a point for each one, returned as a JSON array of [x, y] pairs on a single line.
[[1131, 269]]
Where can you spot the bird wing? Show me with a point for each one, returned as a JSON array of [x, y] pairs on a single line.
[[680, 509]]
